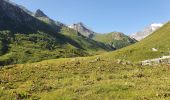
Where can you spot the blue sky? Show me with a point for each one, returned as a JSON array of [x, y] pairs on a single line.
[[104, 16]]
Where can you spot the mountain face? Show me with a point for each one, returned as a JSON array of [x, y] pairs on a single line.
[[82, 29], [30, 38], [115, 39], [147, 31]]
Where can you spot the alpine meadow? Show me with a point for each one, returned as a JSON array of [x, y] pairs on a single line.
[[42, 58]]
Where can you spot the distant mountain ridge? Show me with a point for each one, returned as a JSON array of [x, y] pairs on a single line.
[[115, 39], [147, 31]]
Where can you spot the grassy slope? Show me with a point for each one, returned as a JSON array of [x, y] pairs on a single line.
[[90, 77], [143, 49], [22, 48], [117, 40], [84, 78]]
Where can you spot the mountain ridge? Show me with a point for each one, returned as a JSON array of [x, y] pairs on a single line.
[[146, 31], [115, 39]]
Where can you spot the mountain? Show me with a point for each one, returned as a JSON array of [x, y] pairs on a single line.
[[30, 38], [69, 31], [82, 29], [147, 31], [155, 45], [115, 39]]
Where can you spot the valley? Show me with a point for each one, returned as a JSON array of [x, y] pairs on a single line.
[[44, 59]]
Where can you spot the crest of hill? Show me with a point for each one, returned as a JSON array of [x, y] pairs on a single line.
[[143, 50]]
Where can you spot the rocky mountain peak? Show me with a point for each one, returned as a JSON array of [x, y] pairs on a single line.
[[40, 13], [82, 29]]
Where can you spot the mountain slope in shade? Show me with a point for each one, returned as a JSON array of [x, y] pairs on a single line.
[[147, 31], [17, 20]]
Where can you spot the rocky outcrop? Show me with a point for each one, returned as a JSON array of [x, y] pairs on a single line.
[[161, 60], [82, 29]]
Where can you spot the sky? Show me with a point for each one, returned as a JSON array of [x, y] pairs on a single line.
[[103, 16]]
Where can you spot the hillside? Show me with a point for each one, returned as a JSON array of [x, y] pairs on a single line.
[[143, 50], [25, 38], [84, 78], [115, 39]]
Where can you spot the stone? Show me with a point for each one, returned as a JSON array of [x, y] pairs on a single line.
[[154, 49]]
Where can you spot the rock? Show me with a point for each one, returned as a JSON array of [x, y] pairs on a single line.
[[161, 60], [82, 29], [154, 49]]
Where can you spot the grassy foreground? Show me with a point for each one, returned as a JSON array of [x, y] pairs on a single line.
[[84, 78]]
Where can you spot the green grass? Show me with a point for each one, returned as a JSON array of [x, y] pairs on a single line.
[[98, 77], [23, 48], [84, 78]]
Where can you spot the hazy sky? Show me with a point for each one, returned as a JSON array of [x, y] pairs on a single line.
[[104, 16]]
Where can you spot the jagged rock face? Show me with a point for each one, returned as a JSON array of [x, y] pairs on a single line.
[[147, 31], [82, 29], [39, 13]]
